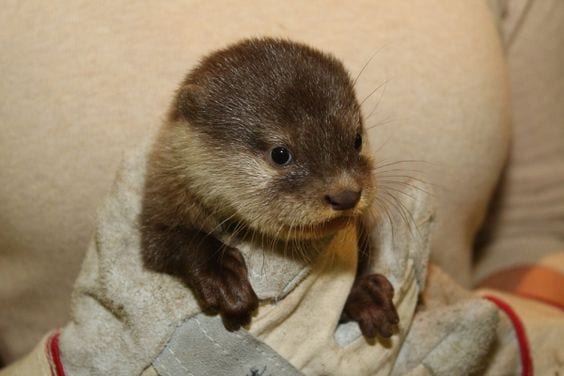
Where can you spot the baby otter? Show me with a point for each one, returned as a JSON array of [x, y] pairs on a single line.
[[264, 139]]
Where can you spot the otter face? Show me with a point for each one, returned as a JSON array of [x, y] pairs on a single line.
[[273, 137]]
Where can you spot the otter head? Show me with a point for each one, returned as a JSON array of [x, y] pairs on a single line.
[[274, 139]]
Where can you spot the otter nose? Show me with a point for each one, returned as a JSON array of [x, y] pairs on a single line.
[[343, 200]]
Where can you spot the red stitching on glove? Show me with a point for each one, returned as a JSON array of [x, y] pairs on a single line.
[[522, 339]]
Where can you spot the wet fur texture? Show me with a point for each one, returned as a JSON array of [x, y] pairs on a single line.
[[210, 177]]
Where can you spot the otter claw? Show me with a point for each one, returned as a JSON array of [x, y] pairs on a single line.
[[370, 304], [224, 288]]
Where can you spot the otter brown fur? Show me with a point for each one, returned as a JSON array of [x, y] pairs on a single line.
[[263, 140]]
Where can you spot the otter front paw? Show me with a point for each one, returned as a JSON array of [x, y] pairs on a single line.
[[223, 287], [370, 304]]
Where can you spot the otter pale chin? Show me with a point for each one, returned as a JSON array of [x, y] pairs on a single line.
[[265, 135]]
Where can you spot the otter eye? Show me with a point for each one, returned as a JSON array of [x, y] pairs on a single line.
[[281, 155], [358, 141]]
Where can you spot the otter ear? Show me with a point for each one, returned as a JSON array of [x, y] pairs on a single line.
[[189, 99]]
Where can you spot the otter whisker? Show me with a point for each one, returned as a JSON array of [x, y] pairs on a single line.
[[381, 147], [405, 174], [386, 164], [404, 214], [366, 65], [381, 123], [288, 235], [393, 176], [378, 101], [405, 183], [402, 192], [373, 91], [383, 205]]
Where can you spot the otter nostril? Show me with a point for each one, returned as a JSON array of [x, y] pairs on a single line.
[[343, 200]]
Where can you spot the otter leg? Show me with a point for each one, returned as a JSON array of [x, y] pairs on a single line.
[[370, 302], [215, 272]]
